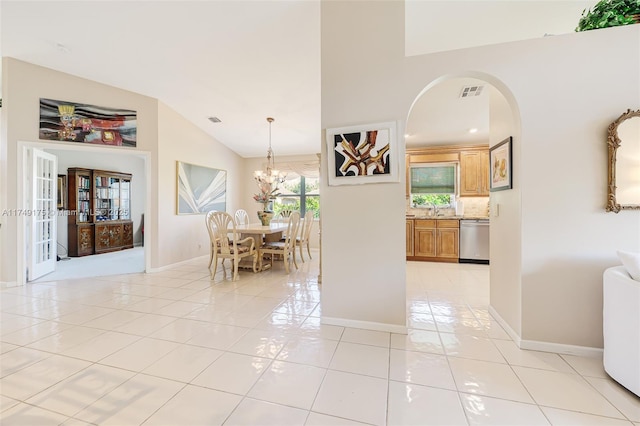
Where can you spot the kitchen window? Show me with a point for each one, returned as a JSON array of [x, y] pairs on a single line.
[[433, 183]]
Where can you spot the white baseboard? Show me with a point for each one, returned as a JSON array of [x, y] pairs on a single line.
[[510, 331], [173, 265], [535, 345], [8, 284], [367, 325], [560, 348]]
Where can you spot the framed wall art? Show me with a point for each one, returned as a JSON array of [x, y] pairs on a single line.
[[73, 122], [363, 154], [501, 166], [200, 189]]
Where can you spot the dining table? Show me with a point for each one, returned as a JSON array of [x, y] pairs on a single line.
[[260, 232]]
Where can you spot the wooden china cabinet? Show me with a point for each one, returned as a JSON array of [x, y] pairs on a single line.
[[102, 220]]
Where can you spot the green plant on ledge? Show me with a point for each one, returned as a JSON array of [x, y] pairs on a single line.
[[610, 13]]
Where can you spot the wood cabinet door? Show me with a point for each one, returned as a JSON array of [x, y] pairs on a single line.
[[127, 234], [447, 244], [103, 237], [115, 235], [469, 173], [484, 173], [425, 242], [407, 170], [85, 240], [409, 237]]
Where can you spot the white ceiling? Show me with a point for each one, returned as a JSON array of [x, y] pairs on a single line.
[[242, 61]]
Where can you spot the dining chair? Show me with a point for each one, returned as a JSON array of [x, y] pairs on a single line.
[[284, 248], [226, 244], [241, 217], [305, 234]]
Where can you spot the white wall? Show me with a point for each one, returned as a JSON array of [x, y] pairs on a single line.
[[183, 237], [485, 22], [506, 218], [363, 228], [169, 238], [565, 100], [23, 85]]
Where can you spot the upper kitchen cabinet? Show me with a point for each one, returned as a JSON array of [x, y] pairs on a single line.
[[474, 173]]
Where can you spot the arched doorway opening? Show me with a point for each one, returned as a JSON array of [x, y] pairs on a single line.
[[457, 113]]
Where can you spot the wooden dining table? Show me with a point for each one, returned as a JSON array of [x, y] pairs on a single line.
[[260, 232]]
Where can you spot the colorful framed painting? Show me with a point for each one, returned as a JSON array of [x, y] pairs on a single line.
[[72, 122], [363, 154], [501, 166], [200, 189]]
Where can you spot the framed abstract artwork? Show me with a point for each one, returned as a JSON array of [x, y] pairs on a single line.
[[73, 122], [200, 189], [501, 166], [363, 154]]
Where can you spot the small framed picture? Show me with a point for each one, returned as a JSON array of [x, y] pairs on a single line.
[[62, 192], [501, 166]]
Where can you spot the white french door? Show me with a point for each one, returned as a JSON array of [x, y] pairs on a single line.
[[42, 212]]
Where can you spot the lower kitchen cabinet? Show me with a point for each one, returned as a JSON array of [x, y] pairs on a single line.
[[425, 238], [435, 240], [409, 237], [447, 244]]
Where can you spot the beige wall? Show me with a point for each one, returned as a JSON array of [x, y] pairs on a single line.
[[561, 99], [184, 237], [23, 85], [363, 229], [163, 136], [506, 217]]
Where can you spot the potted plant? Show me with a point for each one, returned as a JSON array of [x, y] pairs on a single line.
[[265, 197], [610, 13]]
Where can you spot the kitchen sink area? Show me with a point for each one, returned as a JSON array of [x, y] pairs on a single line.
[[447, 212], [447, 238]]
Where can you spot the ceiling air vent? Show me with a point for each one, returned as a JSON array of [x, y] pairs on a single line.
[[471, 91], [215, 120]]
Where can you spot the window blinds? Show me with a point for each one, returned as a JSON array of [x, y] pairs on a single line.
[[433, 180]]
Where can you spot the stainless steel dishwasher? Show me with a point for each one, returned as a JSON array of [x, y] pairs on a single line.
[[474, 241]]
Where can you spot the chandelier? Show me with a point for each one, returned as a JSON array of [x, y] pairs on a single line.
[[269, 179]]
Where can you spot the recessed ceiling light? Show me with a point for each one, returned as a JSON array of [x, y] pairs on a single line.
[[215, 120], [473, 130], [406, 135]]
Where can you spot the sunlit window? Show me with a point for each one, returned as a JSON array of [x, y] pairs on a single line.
[[300, 193]]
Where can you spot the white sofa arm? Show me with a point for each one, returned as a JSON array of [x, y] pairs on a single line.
[[621, 327]]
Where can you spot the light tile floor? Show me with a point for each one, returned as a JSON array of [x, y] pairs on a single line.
[[175, 348]]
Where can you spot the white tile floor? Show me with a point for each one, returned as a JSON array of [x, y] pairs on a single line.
[[174, 348]]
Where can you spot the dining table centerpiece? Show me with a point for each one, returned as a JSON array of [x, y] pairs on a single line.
[[266, 197]]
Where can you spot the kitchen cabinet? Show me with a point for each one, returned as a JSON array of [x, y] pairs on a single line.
[[447, 239], [425, 238], [474, 173], [409, 239], [435, 240]]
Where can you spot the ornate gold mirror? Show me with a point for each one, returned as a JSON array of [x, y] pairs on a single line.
[[623, 142]]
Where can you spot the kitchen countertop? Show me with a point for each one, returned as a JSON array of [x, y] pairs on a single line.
[[409, 216]]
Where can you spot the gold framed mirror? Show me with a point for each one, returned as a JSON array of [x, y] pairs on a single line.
[[623, 142]]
